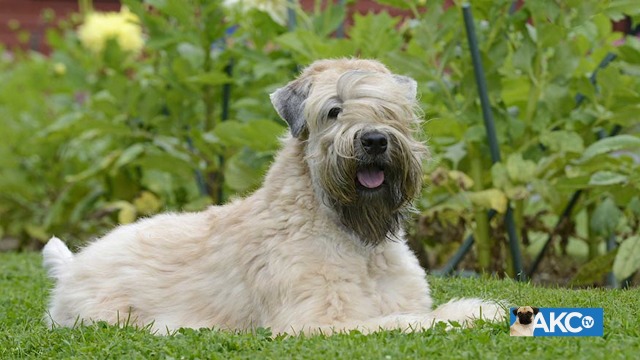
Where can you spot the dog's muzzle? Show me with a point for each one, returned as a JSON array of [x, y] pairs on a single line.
[[374, 143], [525, 318]]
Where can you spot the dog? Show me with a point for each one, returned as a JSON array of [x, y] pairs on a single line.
[[523, 326], [319, 247]]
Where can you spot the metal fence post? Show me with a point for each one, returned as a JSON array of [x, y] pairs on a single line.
[[291, 15], [487, 115]]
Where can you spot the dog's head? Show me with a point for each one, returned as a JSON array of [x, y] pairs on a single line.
[[526, 314], [357, 121]]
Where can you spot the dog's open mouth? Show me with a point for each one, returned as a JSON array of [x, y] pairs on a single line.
[[370, 177]]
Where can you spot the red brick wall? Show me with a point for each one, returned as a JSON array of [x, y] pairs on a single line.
[[28, 14]]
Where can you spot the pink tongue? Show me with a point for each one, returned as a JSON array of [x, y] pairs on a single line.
[[370, 178]]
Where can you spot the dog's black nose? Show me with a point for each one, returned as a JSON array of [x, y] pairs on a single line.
[[374, 142]]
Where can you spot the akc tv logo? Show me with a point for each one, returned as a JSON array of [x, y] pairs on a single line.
[[533, 321]]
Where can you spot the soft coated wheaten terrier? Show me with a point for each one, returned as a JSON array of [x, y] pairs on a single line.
[[319, 247]]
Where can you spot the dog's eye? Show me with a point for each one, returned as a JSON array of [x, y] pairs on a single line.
[[333, 113]]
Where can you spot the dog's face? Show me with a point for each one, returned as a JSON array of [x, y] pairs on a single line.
[[526, 314], [357, 121]]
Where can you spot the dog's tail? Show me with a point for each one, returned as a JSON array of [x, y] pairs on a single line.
[[56, 258], [466, 310]]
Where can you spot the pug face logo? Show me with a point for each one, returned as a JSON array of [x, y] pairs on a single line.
[[525, 316]]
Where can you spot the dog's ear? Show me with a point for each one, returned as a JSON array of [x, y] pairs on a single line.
[[515, 311], [535, 310], [410, 85], [289, 103]]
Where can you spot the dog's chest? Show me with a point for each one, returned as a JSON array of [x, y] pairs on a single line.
[[374, 281]]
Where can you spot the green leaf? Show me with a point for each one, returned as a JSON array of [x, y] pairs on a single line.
[[609, 79], [84, 205], [192, 53], [520, 170], [444, 127], [63, 122], [183, 11], [128, 155], [558, 99], [562, 141], [489, 199], [245, 170], [37, 232], [517, 192], [96, 168], [609, 144], [327, 21], [400, 4], [550, 34], [147, 203], [500, 176], [210, 78], [259, 135], [595, 269], [605, 218], [198, 204], [603, 178], [455, 153], [375, 35], [462, 180], [630, 50], [126, 211], [307, 46], [515, 91], [523, 56], [230, 133], [263, 135], [164, 163], [634, 206], [532, 31], [572, 183], [55, 211], [628, 259], [618, 9], [173, 146]]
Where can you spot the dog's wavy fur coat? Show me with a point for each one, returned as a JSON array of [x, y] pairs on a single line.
[[304, 253]]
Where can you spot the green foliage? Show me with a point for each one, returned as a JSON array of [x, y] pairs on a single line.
[[628, 260], [536, 61], [93, 140]]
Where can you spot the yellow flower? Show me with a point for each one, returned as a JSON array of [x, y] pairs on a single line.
[[123, 27], [59, 69]]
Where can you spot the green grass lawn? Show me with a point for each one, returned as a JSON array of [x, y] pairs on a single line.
[[23, 296]]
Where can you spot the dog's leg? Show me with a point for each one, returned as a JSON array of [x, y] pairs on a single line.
[[465, 311]]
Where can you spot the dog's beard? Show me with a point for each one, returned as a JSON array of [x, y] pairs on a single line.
[[375, 215], [350, 181]]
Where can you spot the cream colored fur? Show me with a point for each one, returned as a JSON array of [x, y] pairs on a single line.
[[278, 258]]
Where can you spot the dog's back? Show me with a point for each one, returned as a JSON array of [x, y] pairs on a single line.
[[149, 271]]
